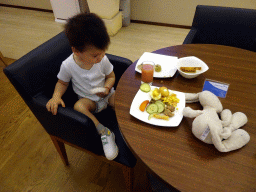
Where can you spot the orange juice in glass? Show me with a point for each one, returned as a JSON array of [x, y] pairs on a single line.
[[147, 72]]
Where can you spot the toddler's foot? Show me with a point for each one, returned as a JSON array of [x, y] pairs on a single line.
[[109, 146]]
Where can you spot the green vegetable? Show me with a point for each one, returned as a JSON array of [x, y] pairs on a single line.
[[152, 108], [158, 68], [160, 102], [145, 87], [160, 105]]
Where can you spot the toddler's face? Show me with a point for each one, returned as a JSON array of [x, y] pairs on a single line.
[[91, 55]]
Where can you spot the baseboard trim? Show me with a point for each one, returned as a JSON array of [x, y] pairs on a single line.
[[28, 8], [161, 24], [61, 20], [133, 21]]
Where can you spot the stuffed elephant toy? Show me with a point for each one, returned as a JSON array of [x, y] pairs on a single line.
[[216, 126]]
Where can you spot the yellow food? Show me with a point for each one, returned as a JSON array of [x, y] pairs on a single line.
[[155, 94], [164, 117], [164, 91], [190, 69], [171, 100]]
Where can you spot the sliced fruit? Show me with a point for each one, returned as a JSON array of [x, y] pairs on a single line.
[[145, 87]]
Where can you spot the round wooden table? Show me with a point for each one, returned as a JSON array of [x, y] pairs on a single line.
[[173, 154]]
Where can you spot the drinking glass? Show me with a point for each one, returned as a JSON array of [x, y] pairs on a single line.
[[147, 72]]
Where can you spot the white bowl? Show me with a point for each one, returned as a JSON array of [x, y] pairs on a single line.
[[191, 62]]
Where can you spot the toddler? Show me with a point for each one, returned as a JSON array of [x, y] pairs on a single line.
[[88, 68]]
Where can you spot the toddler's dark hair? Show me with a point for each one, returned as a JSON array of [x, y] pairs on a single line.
[[87, 29]]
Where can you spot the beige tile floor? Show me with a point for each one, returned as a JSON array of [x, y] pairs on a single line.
[[23, 30]]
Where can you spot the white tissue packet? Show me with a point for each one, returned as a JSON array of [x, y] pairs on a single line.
[[98, 90]]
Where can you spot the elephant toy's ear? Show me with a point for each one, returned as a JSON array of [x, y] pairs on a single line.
[[191, 97]]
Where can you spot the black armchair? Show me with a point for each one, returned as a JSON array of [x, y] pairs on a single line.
[[158, 186], [234, 27], [34, 76]]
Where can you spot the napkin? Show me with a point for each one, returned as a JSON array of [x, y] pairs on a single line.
[[97, 90]]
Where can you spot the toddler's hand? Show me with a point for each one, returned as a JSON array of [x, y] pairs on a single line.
[[104, 93], [53, 103]]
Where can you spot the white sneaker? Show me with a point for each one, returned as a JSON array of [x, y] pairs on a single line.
[[109, 146]]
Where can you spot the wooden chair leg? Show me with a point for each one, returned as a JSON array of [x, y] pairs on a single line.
[[61, 149], [128, 177]]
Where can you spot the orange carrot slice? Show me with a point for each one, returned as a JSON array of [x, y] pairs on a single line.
[[143, 105]]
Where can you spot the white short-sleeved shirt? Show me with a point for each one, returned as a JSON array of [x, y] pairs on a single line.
[[84, 80]]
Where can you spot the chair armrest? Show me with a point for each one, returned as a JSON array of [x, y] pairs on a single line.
[[120, 65], [78, 129], [117, 59], [68, 124], [190, 38]]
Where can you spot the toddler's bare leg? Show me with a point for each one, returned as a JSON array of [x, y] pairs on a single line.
[[111, 100], [85, 106], [110, 148]]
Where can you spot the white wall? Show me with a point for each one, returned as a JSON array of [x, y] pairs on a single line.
[[42, 4], [179, 12]]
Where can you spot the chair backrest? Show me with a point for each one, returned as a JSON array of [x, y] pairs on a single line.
[[38, 69], [225, 26]]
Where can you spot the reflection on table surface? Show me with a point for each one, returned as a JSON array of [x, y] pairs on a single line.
[[174, 154]]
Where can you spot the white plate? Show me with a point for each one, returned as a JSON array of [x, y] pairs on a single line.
[[143, 116], [168, 64]]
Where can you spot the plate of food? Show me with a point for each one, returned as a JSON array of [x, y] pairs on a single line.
[[165, 66], [191, 67], [158, 106]]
